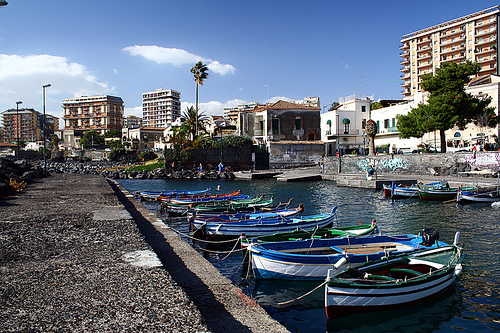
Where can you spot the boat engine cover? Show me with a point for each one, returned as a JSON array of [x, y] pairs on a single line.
[[429, 236]]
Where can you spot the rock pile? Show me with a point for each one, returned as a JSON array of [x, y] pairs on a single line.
[[14, 175]]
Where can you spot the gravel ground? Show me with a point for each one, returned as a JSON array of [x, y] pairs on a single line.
[[62, 269]]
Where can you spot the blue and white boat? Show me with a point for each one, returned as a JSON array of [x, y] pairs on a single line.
[[312, 258], [393, 282], [153, 195], [261, 226]]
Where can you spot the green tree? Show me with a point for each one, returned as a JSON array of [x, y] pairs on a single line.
[[194, 122], [448, 104], [91, 138], [54, 143], [199, 71], [234, 141], [376, 106], [113, 134]]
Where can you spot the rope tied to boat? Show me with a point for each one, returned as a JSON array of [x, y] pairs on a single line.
[[302, 296]]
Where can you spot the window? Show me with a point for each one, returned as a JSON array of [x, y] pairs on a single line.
[[386, 123], [346, 123], [276, 126], [363, 108], [363, 123], [378, 123], [298, 122], [393, 122]]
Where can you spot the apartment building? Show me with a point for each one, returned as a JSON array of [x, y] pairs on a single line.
[[160, 108], [27, 125], [472, 37], [100, 113], [132, 122]]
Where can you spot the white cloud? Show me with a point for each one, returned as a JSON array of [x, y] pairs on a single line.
[[22, 77], [176, 57], [214, 108], [136, 111], [221, 69]]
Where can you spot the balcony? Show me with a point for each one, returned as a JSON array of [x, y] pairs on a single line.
[[405, 69], [457, 39], [405, 61], [428, 64], [486, 50], [424, 55], [483, 60], [405, 84], [457, 58], [450, 33], [453, 48], [485, 21], [258, 132], [486, 31], [424, 40], [482, 41], [404, 46]]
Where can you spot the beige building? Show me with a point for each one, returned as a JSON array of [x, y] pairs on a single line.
[[160, 108], [472, 37], [27, 125], [100, 113]]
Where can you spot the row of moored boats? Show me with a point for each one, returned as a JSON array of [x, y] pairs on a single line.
[[441, 191], [361, 269]]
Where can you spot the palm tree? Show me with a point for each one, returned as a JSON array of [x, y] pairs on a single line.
[[194, 121], [199, 71]]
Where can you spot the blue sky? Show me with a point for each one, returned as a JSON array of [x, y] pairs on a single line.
[[256, 50]]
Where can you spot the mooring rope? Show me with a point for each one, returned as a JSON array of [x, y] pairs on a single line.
[[306, 294], [204, 240]]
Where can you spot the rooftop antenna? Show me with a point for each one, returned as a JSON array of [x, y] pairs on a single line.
[[361, 85]]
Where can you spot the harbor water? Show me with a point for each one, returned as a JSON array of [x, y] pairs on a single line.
[[473, 304]]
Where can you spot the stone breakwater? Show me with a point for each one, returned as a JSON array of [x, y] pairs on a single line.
[[119, 171]]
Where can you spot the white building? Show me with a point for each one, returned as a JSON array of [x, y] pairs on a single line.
[[472, 37], [347, 124], [160, 108]]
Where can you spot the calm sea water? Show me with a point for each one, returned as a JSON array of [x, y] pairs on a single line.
[[473, 304]]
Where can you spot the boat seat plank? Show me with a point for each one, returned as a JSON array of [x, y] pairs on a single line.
[[406, 270]]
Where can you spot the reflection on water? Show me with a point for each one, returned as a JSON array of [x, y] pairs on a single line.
[[473, 304]]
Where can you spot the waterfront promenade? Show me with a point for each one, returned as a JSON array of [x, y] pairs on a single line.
[[80, 254]]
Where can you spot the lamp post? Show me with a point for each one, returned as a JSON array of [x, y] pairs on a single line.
[[18, 127], [364, 142], [44, 141], [338, 142]]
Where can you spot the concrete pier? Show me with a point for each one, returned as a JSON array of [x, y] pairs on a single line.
[[81, 254]]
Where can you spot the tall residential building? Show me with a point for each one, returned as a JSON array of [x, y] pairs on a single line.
[[100, 113], [160, 108], [27, 125], [472, 37]]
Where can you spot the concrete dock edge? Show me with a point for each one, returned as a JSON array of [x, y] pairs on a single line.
[[224, 307]]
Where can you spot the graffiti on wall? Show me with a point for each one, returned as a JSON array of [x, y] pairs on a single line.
[[393, 164], [485, 161]]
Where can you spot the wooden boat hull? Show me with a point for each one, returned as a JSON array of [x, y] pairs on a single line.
[[417, 279], [311, 259], [437, 194], [478, 195], [318, 233], [254, 228], [405, 191]]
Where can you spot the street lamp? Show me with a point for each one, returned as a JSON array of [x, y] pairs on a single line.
[[364, 142], [18, 127], [44, 143], [338, 142]]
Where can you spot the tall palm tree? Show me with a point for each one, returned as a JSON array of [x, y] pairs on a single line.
[[200, 74]]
